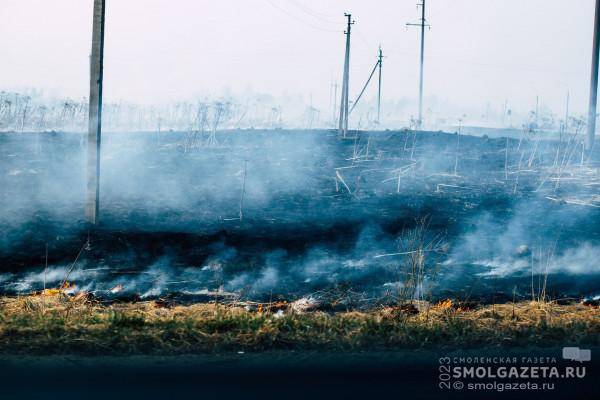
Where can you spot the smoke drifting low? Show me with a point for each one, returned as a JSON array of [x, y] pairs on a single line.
[[262, 214]]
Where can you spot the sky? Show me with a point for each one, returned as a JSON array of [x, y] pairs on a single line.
[[478, 52]]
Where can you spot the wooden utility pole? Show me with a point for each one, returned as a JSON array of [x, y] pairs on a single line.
[[344, 111], [380, 62], [422, 24], [591, 133], [95, 114]]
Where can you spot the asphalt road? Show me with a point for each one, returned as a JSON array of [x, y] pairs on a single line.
[[289, 375]]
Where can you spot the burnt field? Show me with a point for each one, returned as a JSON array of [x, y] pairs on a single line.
[[267, 215]]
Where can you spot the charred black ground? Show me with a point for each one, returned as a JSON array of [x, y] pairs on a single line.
[[269, 214]]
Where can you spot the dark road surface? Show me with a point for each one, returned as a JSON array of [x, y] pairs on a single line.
[[284, 375]]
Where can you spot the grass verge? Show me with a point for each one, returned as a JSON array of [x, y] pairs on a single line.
[[59, 324]]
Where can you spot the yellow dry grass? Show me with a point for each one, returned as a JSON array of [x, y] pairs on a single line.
[[54, 323]]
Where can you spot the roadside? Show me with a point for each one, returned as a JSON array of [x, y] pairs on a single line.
[[278, 374]]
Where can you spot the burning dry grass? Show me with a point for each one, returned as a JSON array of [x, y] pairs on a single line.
[[56, 323]]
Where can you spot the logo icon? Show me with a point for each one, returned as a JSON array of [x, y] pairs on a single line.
[[576, 354]]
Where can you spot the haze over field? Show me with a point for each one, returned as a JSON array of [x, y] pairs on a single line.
[[158, 51], [229, 197], [213, 138]]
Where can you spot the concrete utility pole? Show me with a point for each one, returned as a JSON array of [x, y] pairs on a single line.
[[567, 112], [594, 81], [95, 114], [335, 90], [537, 112], [377, 65], [343, 123], [380, 62], [422, 24]]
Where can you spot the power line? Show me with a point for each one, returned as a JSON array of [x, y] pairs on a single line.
[[363, 38], [299, 19], [322, 17]]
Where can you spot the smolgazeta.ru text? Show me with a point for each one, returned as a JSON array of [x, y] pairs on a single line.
[[518, 372]]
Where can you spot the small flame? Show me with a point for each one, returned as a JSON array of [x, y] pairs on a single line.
[[444, 305]]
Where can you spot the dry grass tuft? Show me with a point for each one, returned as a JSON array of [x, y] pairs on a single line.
[[59, 324]]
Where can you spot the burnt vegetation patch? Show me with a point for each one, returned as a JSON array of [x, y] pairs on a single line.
[[283, 214]]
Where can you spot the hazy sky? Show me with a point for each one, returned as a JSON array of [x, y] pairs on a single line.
[[162, 50]]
